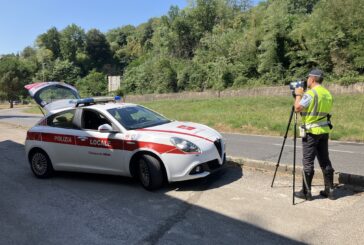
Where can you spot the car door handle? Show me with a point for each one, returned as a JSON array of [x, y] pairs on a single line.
[[130, 142], [82, 138]]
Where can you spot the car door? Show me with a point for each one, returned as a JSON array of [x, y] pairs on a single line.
[[59, 139], [99, 152]]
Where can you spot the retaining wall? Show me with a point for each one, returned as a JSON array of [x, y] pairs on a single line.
[[335, 89]]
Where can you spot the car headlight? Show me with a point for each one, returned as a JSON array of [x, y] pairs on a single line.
[[185, 145]]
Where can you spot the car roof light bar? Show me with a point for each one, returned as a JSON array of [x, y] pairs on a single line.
[[92, 101]]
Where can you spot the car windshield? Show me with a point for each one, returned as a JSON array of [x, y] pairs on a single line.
[[135, 117]]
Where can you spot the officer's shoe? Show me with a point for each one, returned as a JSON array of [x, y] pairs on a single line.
[[328, 193], [304, 194]]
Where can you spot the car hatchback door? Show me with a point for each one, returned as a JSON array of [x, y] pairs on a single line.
[[52, 96]]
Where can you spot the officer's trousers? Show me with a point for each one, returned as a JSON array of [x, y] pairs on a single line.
[[316, 145]]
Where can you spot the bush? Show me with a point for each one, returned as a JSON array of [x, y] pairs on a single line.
[[351, 79]]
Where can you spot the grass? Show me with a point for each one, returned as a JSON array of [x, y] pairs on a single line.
[[33, 110], [7, 106], [260, 115], [263, 115]]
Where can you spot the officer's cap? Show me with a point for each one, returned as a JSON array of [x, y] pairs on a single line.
[[316, 73]]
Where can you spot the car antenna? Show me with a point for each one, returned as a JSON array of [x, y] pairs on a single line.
[[41, 110]]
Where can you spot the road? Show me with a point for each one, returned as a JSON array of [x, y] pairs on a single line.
[[346, 157], [234, 206]]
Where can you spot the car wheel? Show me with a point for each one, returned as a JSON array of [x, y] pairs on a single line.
[[150, 172], [41, 164]]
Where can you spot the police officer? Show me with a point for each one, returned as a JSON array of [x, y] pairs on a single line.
[[315, 106]]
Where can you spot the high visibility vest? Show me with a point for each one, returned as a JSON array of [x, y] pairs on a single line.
[[314, 118]]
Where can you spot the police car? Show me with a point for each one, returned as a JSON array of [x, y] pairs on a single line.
[[102, 135]]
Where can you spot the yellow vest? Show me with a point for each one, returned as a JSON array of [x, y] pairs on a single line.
[[314, 118]]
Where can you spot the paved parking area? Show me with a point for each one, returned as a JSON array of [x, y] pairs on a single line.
[[234, 206]]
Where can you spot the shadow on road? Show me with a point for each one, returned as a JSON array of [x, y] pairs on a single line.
[[226, 175], [100, 209]]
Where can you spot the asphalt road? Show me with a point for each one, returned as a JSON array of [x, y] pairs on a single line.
[[233, 206], [346, 157]]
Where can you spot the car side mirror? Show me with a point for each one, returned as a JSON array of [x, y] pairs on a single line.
[[105, 128]]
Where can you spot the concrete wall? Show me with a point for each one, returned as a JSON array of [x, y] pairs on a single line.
[[268, 91]]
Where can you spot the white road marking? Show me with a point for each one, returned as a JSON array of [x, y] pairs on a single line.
[[349, 152]]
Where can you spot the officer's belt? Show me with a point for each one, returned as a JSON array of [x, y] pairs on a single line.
[[315, 125], [314, 114]]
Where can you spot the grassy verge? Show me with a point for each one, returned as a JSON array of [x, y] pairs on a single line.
[[263, 115], [33, 110], [7, 106], [260, 115]]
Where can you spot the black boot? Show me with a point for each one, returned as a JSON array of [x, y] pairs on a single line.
[[305, 192], [328, 192]]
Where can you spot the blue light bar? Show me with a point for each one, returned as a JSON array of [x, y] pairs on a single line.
[[88, 101]]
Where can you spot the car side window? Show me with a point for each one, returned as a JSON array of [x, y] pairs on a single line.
[[62, 120], [93, 120]]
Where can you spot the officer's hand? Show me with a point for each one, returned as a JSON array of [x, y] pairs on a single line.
[[299, 91]]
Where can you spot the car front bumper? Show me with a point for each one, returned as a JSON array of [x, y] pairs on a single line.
[[183, 167]]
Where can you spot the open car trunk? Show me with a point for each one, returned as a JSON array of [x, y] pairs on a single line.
[[53, 96]]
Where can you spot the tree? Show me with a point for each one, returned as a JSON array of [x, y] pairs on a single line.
[[51, 41], [119, 39], [13, 76], [333, 36], [73, 41], [64, 71], [164, 77], [94, 84], [98, 49], [273, 47]]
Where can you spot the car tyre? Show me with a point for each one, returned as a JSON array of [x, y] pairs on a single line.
[[41, 165], [150, 172]]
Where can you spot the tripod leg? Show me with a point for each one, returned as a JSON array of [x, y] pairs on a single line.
[[294, 158], [284, 142]]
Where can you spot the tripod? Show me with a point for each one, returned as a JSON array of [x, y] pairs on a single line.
[[294, 151]]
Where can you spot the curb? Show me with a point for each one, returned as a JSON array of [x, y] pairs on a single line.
[[341, 178]]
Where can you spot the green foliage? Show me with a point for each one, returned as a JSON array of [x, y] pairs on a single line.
[[13, 76], [72, 42], [97, 49], [51, 41], [211, 44], [94, 84], [59, 70], [349, 79]]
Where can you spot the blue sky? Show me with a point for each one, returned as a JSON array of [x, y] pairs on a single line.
[[21, 21]]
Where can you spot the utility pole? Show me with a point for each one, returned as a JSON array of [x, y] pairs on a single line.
[[43, 71]]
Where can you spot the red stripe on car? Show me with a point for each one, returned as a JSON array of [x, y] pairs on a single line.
[[127, 145], [131, 145], [59, 138], [34, 136], [186, 127], [34, 85]]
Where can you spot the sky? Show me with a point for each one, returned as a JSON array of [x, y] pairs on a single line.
[[21, 21]]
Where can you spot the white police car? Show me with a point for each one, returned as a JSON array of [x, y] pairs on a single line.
[[97, 135]]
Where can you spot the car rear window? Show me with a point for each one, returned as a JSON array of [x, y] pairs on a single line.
[[62, 120]]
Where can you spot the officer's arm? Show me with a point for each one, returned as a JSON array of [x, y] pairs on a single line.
[[297, 106], [302, 102]]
